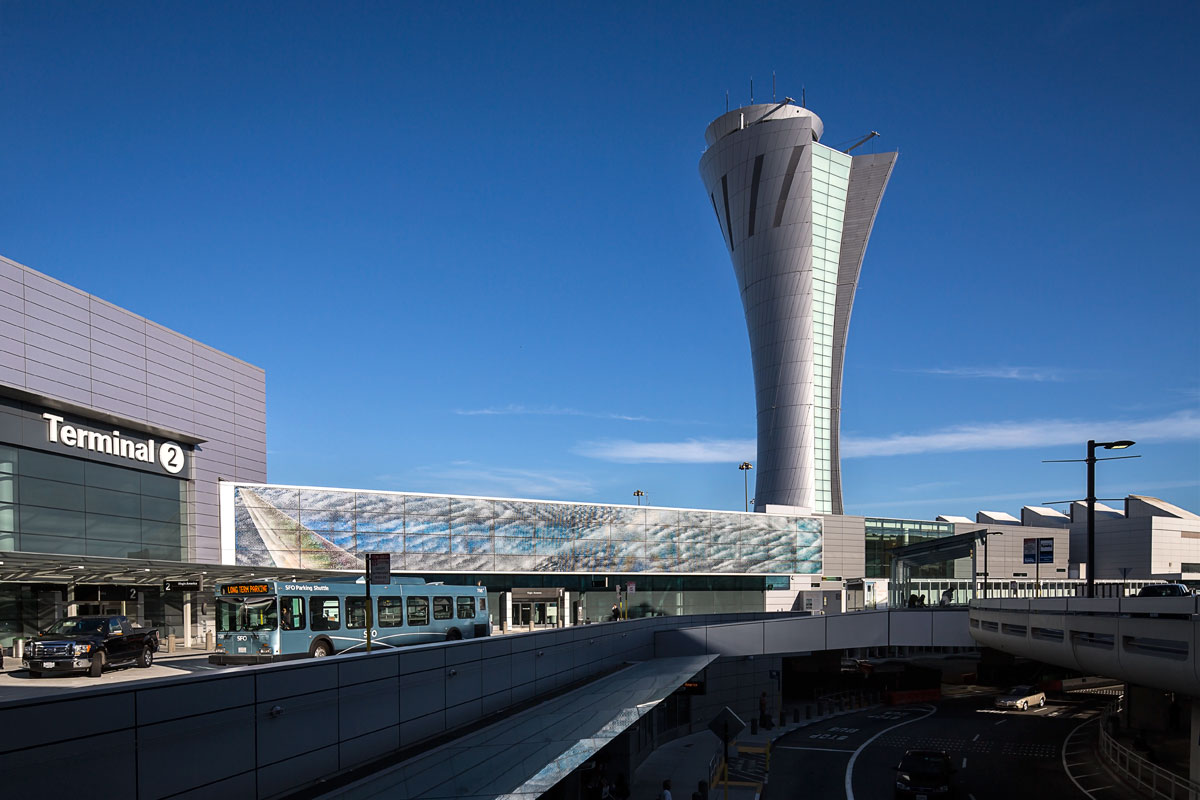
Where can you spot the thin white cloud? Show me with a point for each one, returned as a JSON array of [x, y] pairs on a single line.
[[466, 477], [1181, 426], [1184, 425], [692, 451], [548, 411], [1004, 373]]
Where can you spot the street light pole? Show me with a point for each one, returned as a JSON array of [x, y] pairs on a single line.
[[1091, 460], [639, 494], [745, 467]]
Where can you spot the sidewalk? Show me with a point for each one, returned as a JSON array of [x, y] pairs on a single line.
[[13, 664], [687, 760]]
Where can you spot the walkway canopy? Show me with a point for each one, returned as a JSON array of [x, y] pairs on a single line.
[[524, 755]]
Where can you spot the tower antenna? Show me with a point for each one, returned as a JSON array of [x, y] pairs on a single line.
[[751, 90], [772, 86], [803, 101], [726, 101]]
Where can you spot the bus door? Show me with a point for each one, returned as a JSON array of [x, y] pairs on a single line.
[[293, 638]]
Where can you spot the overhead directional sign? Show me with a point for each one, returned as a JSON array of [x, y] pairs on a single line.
[[181, 586]]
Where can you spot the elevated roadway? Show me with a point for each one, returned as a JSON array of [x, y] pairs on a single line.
[[1150, 641]]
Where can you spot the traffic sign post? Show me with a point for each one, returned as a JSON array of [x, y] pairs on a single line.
[[726, 725], [379, 572]]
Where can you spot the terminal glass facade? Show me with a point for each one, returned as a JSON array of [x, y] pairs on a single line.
[[55, 504], [332, 529], [885, 535]]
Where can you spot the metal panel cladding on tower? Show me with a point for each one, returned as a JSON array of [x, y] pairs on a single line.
[[795, 216]]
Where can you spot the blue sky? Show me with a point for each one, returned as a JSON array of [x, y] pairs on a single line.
[[470, 245]]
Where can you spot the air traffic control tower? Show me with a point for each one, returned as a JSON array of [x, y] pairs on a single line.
[[796, 216]]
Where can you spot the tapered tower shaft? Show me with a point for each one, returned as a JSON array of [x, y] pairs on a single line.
[[795, 216]]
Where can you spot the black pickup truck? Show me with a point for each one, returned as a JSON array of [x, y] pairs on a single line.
[[89, 643]]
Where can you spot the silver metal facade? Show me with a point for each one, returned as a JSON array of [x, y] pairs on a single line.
[[796, 216], [67, 349]]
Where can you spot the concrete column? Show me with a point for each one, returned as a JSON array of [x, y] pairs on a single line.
[[564, 613], [187, 619], [1147, 709], [505, 611]]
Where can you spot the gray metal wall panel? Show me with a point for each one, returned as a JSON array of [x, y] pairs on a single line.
[[89, 352], [869, 177]]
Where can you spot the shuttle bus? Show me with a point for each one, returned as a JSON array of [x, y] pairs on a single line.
[[273, 620]]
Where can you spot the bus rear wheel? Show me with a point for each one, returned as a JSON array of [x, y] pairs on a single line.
[[453, 635], [320, 649]]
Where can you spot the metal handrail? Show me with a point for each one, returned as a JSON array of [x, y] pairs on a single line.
[[1158, 781]]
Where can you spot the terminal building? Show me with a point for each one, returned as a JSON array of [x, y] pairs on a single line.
[[133, 478]]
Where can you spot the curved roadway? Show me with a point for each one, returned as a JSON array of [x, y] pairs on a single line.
[[998, 754]]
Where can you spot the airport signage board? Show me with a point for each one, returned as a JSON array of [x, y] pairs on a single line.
[[379, 569], [1038, 551], [181, 586]]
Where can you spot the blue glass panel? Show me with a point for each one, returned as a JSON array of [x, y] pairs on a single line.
[[426, 543]]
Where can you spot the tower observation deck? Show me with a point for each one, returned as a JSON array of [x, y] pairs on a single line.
[[795, 216]]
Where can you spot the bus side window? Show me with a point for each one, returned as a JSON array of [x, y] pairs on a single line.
[[291, 613], [391, 612], [356, 612], [326, 615], [443, 608], [483, 604], [418, 610], [466, 608]]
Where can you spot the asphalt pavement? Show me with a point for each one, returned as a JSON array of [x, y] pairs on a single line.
[[997, 754]]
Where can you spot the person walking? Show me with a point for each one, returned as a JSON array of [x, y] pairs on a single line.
[[764, 719], [616, 612], [665, 794]]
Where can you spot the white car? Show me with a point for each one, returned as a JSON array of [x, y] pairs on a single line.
[[1021, 697]]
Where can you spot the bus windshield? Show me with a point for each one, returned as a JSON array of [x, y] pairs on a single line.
[[246, 615]]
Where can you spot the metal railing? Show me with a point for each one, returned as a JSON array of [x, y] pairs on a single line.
[[1137, 769]]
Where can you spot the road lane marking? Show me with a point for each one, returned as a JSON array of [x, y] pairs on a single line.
[[976, 739], [818, 749], [1001, 722], [964, 766], [850, 767]]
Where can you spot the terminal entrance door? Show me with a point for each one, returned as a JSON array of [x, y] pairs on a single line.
[[541, 608], [542, 614]]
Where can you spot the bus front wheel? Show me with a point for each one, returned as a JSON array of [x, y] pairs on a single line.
[[320, 649], [453, 635]]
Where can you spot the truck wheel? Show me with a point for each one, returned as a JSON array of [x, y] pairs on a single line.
[[320, 649], [97, 668], [146, 658]]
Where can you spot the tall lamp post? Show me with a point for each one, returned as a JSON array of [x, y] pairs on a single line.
[[983, 534], [639, 494], [745, 467], [1091, 460]]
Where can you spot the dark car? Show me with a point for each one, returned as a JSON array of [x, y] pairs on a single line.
[[1165, 590], [924, 775], [89, 643]]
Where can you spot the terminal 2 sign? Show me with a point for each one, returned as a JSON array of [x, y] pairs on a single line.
[[168, 455]]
